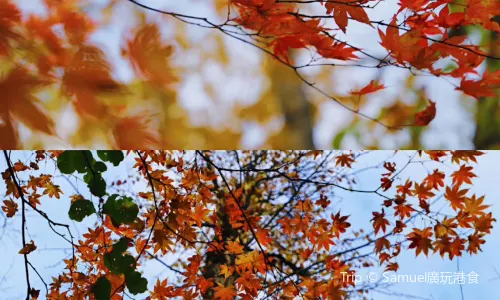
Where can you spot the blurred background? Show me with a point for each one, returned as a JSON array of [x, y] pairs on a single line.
[[224, 93]]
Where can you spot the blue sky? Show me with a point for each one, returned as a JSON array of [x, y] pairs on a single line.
[[51, 248]]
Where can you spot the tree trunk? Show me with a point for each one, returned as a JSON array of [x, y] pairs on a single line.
[[296, 109], [487, 134]]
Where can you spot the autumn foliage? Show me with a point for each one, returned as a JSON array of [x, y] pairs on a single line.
[[248, 223], [51, 55]]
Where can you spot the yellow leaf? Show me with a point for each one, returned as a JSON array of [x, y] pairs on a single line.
[[52, 190], [226, 271]]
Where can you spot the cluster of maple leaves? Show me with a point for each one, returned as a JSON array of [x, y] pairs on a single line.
[[417, 37], [242, 244]]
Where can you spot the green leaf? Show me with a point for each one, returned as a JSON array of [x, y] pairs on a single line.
[[70, 161], [122, 211], [136, 284], [99, 166], [118, 263], [96, 184], [81, 209], [112, 156], [121, 246], [102, 289]]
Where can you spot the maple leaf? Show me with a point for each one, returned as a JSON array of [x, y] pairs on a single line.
[[442, 245], [403, 210], [447, 19], [405, 189], [422, 191], [455, 196], [262, 236], [162, 241], [475, 206], [484, 223], [250, 260], [456, 247], [330, 48], [408, 47], [386, 183], [150, 57], [372, 87], [9, 207], [339, 224], [345, 159], [392, 267], [249, 283], [163, 292], [424, 117], [446, 227], [224, 293], [281, 46], [475, 242], [420, 239], [200, 212], [342, 8], [379, 221], [323, 240], [134, 132], [226, 271], [464, 174], [18, 100], [382, 243], [88, 74], [52, 190], [141, 245], [77, 26], [476, 89], [19, 167], [465, 155], [28, 248], [435, 180]]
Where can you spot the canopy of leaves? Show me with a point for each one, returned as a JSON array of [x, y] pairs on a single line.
[[246, 224]]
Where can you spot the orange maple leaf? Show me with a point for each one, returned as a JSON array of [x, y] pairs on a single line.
[[224, 293], [424, 117], [87, 75], [474, 206], [18, 101], [28, 248], [455, 196], [149, 56], [435, 180], [342, 8], [379, 221], [9, 207], [475, 242], [420, 239], [134, 132], [372, 87], [463, 175]]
